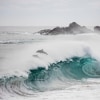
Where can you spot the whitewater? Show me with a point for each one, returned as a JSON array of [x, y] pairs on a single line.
[[39, 67]]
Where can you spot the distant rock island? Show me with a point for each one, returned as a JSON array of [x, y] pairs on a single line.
[[97, 28], [73, 28]]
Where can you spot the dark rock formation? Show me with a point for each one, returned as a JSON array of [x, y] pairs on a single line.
[[73, 28], [97, 28], [45, 31]]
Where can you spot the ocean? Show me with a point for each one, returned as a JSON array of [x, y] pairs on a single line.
[[39, 67]]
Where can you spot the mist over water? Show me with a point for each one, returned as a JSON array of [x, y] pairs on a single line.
[[45, 67]]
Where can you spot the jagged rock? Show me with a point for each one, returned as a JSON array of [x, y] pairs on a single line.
[[76, 28], [45, 31], [97, 28], [57, 30], [73, 28]]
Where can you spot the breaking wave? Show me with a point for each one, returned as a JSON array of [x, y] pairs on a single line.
[[50, 65], [42, 79]]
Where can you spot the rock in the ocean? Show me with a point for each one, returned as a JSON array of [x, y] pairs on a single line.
[[97, 28], [73, 28], [44, 32]]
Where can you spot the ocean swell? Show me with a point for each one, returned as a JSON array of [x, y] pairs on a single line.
[[42, 79], [76, 68], [50, 65]]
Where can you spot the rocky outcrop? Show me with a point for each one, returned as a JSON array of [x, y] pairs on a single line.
[[73, 28], [97, 28], [44, 32]]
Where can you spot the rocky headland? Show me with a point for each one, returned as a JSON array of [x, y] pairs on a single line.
[[73, 28]]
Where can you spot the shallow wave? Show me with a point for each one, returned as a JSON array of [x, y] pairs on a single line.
[[14, 33], [42, 79], [16, 41]]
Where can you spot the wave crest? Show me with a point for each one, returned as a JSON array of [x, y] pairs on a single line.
[[42, 79]]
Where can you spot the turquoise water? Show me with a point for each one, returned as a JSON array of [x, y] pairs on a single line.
[[69, 66], [42, 79]]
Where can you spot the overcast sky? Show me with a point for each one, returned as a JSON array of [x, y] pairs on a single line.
[[49, 12]]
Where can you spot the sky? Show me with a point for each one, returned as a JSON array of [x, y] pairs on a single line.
[[49, 12]]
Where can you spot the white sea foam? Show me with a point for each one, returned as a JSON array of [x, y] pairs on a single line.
[[57, 47], [19, 58]]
